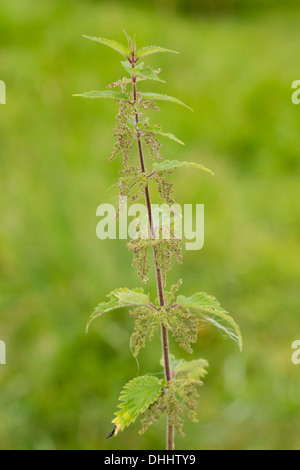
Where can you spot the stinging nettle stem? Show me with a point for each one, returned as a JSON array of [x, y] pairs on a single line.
[[164, 333]]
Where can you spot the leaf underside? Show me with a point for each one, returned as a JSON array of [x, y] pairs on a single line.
[[136, 396], [208, 308]]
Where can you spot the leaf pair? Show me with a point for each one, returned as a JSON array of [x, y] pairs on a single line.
[[138, 71], [205, 306], [124, 96], [144, 72], [126, 51]]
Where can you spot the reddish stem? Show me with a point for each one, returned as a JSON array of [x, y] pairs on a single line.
[[164, 332]]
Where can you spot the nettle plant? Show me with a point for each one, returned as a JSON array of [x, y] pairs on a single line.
[[148, 395]]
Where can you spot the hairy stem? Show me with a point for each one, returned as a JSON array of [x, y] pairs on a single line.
[[164, 332]]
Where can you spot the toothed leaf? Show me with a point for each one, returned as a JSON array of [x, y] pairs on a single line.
[[171, 137], [195, 369], [159, 97], [152, 50], [118, 298], [143, 72], [117, 46], [174, 164], [208, 308], [131, 42], [131, 296], [156, 129], [136, 396], [104, 94]]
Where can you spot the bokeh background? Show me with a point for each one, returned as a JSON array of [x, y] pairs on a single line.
[[237, 62]]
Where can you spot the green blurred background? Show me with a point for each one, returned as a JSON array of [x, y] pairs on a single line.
[[237, 61]]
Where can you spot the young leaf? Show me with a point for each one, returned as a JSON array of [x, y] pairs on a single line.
[[136, 396], [104, 94], [118, 298], [208, 308], [143, 72], [117, 46], [195, 369], [152, 50], [174, 164], [173, 362], [158, 96], [129, 39]]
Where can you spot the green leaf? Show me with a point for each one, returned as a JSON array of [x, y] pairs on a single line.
[[195, 369], [208, 308], [131, 41], [128, 296], [143, 72], [173, 362], [156, 129], [117, 46], [104, 94], [174, 164], [136, 396], [158, 96], [152, 50], [171, 137], [118, 298]]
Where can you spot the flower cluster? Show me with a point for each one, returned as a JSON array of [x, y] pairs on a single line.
[[179, 321], [179, 396], [124, 134], [164, 250]]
